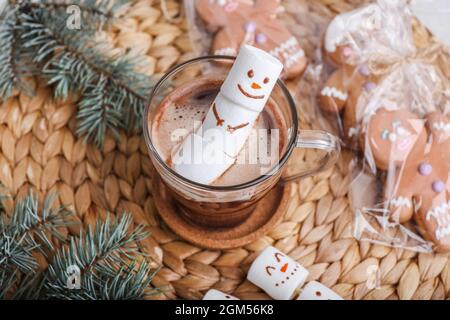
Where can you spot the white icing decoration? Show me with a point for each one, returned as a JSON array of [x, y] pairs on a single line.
[[289, 51], [401, 202], [344, 24], [334, 92], [442, 232], [294, 58], [225, 52], [353, 132], [442, 126], [441, 215]]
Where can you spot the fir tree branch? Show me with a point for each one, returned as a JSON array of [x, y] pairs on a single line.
[[101, 256], [109, 258], [14, 64], [29, 229], [79, 66], [112, 93]]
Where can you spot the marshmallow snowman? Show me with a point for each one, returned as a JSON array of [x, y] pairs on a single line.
[[277, 274], [214, 294], [317, 291], [231, 117]]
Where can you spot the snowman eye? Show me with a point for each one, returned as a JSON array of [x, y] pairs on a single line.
[[268, 268], [278, 255], [266, 80], [250, 73]]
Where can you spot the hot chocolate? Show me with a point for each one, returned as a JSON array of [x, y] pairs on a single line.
[[183, 110]]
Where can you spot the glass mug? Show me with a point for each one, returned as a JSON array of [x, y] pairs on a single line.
[[226, 206]]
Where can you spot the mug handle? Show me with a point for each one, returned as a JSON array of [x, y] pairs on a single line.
[[317, 139]]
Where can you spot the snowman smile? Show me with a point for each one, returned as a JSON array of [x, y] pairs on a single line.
[[245, 93]]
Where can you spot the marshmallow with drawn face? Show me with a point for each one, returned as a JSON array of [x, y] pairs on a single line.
[[316, 291], [214, 294], [277, 274], [251, 78], [241, 98]]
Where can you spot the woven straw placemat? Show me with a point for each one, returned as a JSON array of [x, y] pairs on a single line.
[[39, 150]]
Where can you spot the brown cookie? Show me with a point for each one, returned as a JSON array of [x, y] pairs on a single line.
[[343, 88], [342, 91], [253, 22], [416, 151]]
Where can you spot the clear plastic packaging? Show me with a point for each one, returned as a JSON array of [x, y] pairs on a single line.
[[390, 103], [388, 100]]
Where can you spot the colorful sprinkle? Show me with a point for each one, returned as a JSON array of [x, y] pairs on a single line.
[[261, 38], [364, 71], [250, 27], [425, 169], [438, 186], [368, 86]]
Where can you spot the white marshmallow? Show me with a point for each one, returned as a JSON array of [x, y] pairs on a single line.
[[234, 122], [242, 97], [317, 291], [245, 84], [277, 274], [199, 160], [214, 294]]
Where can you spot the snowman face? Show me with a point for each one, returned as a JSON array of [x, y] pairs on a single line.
[[251, 78], [282, 269], [277, 274], [253, 86]]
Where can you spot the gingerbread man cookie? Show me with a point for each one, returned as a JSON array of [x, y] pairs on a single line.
[[253, 22], [349, 81], [418, 151]]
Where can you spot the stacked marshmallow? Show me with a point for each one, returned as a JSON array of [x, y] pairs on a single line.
[[281, 277], [208, 152], [214, 294]]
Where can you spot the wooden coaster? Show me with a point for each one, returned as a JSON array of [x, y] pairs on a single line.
[[267, 213]]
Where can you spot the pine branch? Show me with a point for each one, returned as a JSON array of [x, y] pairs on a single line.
[[101, 256], [112, 94], [96, 113], [14, 62], [109, 259], [29, 229], [110, 87]]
